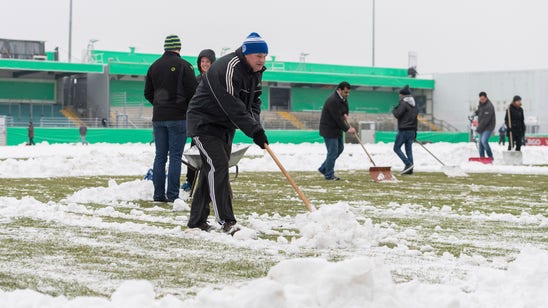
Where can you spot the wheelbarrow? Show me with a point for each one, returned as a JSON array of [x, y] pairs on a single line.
[[194, 161]]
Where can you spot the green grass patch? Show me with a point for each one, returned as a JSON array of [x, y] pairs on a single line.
[[461, 216]]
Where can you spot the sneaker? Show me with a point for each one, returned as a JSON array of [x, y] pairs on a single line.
[[407, 170], [333, 178], [186, 186], [205, 227], [230, 227]]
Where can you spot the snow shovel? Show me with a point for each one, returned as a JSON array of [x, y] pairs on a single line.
[[450, 171], [378, 174], [309, 206]]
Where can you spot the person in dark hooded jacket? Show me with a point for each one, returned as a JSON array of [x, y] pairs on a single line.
[[515, 124], [206, 57], [406, 113], [227, 98]]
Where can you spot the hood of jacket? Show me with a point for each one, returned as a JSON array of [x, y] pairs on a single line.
[[208, 53], [410, 100]]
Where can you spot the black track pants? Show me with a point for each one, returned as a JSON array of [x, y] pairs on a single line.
[[213, 182]]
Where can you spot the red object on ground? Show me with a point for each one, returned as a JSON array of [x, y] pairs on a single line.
[[483, 160]]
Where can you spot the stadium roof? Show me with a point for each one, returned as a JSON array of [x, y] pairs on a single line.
[[136, 64], [18, 67]]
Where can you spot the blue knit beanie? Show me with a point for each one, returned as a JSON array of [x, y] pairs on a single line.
[[254, 43]]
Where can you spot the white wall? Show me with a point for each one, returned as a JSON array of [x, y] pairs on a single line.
[[456, 95]]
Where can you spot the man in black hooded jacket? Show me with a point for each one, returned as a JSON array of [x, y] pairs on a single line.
[[406, 113], [227, 99]]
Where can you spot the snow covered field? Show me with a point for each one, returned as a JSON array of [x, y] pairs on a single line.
[[337, 256]]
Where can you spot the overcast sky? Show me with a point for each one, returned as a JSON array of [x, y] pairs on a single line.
[[447, 36]]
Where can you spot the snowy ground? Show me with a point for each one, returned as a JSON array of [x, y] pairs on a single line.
[[364, 276]]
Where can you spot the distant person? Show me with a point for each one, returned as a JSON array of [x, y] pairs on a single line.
[[406, 113], [31, 133], [333, 122], [227, 98], [83, 131], [486, 124], [104, 122], [206, 57], [502, 134], [169, 85], [515, 121]]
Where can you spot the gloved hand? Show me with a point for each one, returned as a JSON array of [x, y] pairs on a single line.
[[260, 139]]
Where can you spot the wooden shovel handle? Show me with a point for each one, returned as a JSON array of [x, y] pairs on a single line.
[[363, 147], [309, 206]]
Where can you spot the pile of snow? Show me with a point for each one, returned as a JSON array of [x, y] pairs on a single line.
[[315, 282]]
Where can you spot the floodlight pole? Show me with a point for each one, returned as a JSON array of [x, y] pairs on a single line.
[[70, 33], [373, 34]]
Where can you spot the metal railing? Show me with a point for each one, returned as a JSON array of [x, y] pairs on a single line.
[[269, 119]]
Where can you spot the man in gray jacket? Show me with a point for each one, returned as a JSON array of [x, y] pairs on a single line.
[[486, 124]]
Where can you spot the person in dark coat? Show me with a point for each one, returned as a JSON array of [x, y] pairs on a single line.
[[486, 124], [206, 57], [406, 113], [515, 123], [83, 131], [227, 98], [170, 83], [31, 133], [333, 122], [502, 134]]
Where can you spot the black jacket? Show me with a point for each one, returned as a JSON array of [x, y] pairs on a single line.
[[486, 117], [169, 85], [332, 122], [517, 119], [227, 98], [406, 113]]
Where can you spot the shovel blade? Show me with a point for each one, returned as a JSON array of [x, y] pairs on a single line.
[[512, 157], [379, 174]]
